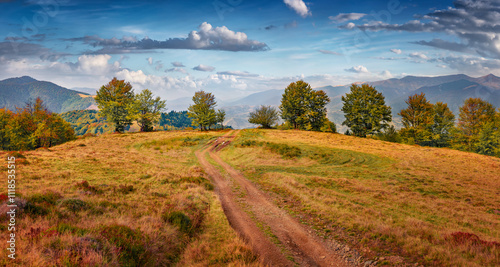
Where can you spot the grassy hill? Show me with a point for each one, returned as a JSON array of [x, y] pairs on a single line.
[[15, 92], [143, 198]]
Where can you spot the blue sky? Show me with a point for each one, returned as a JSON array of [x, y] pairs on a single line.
[[237, 47]]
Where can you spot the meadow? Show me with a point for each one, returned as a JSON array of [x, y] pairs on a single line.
[[396, 204], [120, 200], [144, 199]]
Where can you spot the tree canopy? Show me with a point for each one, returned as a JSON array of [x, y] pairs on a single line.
[[148, 109], [32, 127], [115, 101], [203, 112], [265, 116], [417, 119], [303, 107], [365, 111]]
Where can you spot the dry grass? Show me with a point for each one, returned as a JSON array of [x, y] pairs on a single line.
[[394, 203], [107, 201]]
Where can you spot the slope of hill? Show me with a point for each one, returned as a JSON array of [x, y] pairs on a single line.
[[316, 199], [15, 92]]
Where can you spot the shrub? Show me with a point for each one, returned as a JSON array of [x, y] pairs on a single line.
[[48, 197], [125, 189], [284, 150], [35, 210], [178, 219], [130, 244], [74, 205], [68, 228]]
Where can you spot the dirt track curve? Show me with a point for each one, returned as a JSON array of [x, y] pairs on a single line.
[[305, 248]]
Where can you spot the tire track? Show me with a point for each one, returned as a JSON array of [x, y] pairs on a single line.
[[306, 248]]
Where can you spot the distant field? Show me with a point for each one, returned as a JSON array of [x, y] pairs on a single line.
[[120, 200], [393, 203]]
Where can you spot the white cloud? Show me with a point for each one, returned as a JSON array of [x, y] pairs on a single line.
[[150, 60], [386, 74], [328, 52], [418, 55], [358, 69], [206, 38], [343, 17], [396, 51], [298, 6], [181, 70], [178, 64], [238, 73], [202, 67]]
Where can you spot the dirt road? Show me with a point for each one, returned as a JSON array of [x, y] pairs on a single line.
[[291, 238]]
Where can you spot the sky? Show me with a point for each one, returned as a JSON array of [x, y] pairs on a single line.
[[234, 48]]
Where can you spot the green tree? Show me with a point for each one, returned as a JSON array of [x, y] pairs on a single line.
[[148, 109], [365, 111], [265, 116], [328, 127], [294, 103], [474, 114], [302, 107], [115, 101], [417, 120], [5, 121], [202, 111], [220, 116], [443, 125], [316, 114], [489, 140]]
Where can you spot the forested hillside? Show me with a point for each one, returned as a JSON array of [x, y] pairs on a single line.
[[16, 92]]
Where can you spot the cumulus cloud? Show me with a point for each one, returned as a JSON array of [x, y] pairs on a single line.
[[386, 74], [358, 69], [348, 26], [238, 73], [202, 67], [475, 23], [328, 52], [176, 69], [418, 55], [343, 17], [298, 6], [178, 64], [206, 38], [396, 51]]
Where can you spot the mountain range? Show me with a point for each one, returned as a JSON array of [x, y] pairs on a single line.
[[16, 92], [450, 89]]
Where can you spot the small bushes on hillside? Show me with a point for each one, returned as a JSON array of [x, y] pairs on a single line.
[[130, 244], [179, 219], [74, 205]]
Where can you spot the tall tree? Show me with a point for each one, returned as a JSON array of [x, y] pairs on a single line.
[[316, 115], [115, 101], [365, 111], [474, 114], [148, 109], [294, 103], [443, 126], [203, 110], [220, 116], [303, 107], [417, 119], [265, 116], [5, 119]]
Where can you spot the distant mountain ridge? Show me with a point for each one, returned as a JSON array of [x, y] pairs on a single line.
[[16, 92], [450, 89]]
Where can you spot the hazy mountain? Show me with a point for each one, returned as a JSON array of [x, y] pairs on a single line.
[[15, 92], [451, 89]]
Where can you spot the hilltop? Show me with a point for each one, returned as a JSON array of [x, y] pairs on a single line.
[[149, 199], [15, 92]]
